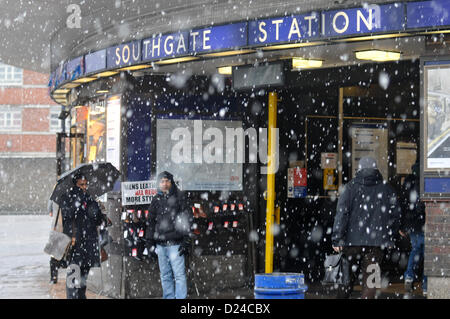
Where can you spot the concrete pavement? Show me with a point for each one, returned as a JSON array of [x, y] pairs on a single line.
[[24, 267]]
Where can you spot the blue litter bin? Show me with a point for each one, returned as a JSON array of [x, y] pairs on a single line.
[[280, 286]]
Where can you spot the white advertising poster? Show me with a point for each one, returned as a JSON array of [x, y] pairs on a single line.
[[138, 193], [199, 152], [437, 111], [406, 157], [328, 160], [370, 140], [113, 131]]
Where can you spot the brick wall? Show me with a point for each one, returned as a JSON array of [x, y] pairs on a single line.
[[437, 239], [28, 155]]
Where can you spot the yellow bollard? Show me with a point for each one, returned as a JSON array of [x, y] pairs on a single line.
[[270, 209]]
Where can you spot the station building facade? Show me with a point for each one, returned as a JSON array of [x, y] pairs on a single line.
[[201, 99]]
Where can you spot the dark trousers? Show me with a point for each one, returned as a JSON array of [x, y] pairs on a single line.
[[76, 281], [365, 262], [54, 265]]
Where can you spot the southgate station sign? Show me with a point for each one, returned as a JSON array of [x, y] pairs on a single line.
[[369, 20]]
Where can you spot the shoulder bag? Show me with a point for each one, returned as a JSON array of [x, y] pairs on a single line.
[[58, 243], [337, 270]]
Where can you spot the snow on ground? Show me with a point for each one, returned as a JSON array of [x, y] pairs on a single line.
[[24, 267]]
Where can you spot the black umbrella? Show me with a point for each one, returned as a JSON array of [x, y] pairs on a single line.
[[100, 177]]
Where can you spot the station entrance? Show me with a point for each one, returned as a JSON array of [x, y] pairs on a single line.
[[328, 119]]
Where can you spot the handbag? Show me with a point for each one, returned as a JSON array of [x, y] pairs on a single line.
[[58, 243], [337, 270]]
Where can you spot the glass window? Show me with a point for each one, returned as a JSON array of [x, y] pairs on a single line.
[[96, 132], [10, 75], [10, 120], [437, 121]]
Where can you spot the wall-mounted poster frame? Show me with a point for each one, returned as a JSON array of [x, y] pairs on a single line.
[[435, 126], [370, 139]]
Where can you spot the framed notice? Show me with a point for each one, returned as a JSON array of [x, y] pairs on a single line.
[[207, 155], [138, 193], [370, 140], [436, 103], [406, 157]]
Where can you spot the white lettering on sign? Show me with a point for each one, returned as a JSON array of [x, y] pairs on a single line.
[[360, 17], [125, 53], [336, 16], [169, 50], [277, 28], [205, 39], [294, 29], [138, 193], [194, 35]]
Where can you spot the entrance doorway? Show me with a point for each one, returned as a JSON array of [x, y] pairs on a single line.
[[328, 119]]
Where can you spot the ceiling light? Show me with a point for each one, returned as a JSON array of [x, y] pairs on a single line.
[[136, 67], [291, 45], [227, 53], [373, 37], [106, 73], [85, 80], [301, 63], [61, 91], [226, 70], [177, 60], [378, 55], [59, 96], [70, 85]]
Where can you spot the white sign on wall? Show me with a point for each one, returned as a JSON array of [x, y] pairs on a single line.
[[199, 165], [138, 193], [113, 131]]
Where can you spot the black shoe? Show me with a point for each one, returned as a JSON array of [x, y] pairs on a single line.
[[408, 285], [53, 281]]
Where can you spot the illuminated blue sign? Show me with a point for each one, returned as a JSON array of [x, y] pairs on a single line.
[[95, 61], [219, 38], [428, 14], [164, 46], [284, 29], [369, 19], [75, 68]]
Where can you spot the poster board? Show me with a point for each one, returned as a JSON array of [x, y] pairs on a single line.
[[181, 148], [296, 182], [113, 130], [437, 118], [138, 193], [406, 157], [370, 140]]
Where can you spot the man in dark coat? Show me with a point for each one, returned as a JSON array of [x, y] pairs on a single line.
[[367, 219], [168, 230], [413, 223], [81, 217]]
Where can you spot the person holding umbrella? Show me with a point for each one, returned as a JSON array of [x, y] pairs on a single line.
[[81, 217]]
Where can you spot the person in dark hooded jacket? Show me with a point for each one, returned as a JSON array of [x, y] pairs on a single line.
[[168, 234], [81, 217], [367, 220]]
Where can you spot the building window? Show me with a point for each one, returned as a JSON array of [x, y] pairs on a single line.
[[10, 75], [10, 120], [55, 122]]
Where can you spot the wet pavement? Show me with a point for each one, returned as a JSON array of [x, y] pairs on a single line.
[[24, 267]]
